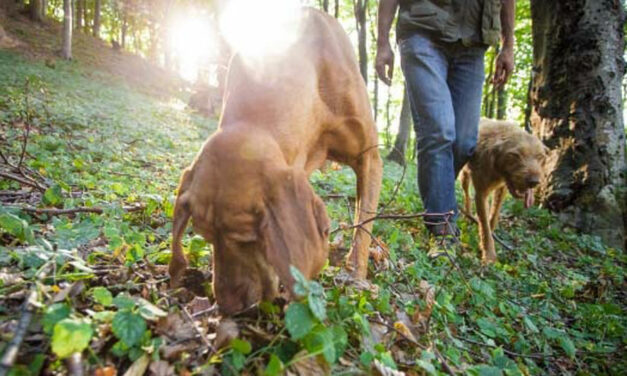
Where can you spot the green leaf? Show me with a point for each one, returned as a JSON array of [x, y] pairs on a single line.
[[53, 195], [427, 366], [70, 336], [320, 340], [123, 301], [301, 285], [274, 366], [569, 347], [16, 227], [128, 327], [530, 325], [150, 311], [242, 346], [340, 339], [317, 306], [298, 320], [54, 314], [484, 370], [102, 296]]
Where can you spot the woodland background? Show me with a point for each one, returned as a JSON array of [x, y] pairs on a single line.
[[95, 129]]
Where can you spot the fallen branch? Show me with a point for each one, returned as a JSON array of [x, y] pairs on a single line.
[[397, 216], [28, 310], [508, 352], [70, 211], [22, 180]]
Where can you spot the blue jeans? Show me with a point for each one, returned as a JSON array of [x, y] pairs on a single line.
[[444, 85]]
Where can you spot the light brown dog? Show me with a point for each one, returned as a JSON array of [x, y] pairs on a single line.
[[506, 157], [247, 191]]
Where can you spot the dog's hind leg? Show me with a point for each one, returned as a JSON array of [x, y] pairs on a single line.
[[485, 234], [369, 170], [495, 209], [465, 180]]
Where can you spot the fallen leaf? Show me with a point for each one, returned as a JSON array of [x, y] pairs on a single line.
[[161, 368], [199, 304], [106, 371], [226, 331], [306, 365], [176, 327], [427, 293], [383, 370], [170, 352], [404, 330], [138, 368]]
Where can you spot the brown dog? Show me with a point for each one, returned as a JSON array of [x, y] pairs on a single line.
[[247, 190], [506, 156]]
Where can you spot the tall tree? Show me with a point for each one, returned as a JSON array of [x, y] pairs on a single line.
[[78, 16], [66, 50], [360, 7], [36, 10], [96, 29], [577, 111], [397, 154]]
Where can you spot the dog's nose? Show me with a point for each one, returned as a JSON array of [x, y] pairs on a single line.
[[532, 181]]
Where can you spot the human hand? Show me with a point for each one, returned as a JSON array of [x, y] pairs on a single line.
[[504, 67], [385, 59]]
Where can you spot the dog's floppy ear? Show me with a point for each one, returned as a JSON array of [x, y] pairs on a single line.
[[295, 225]]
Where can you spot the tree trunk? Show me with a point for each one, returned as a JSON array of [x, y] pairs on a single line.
[[124, 30], [96, 29], [402, 137], [577, 112], [78, 16], [325, 5], [35, 9], [337, 9], [66, 51], [360, 7], [501, 104]]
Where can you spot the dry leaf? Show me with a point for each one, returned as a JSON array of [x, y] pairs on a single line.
[[427, 292], [227, 330], [171, 352], [161, 368], [138, 368], [176, 327], [383, 370], [404, 330], [106, 371], [199, 304], [306, 365]]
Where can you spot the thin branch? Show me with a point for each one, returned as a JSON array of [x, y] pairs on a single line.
[[70, 211], [22, 180], [508, 352], [28, 310], [494, 236]]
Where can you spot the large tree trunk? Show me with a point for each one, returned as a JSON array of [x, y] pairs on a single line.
[[397, 154], [66, 50], [36, 10], [360, 7], [577, 112], [96, 29]]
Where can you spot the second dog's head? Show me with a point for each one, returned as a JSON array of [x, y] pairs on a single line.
[[521, 164], [261, 216]]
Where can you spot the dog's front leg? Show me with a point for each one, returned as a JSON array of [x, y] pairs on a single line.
[[369, 171], [487, 244], [495, 209]]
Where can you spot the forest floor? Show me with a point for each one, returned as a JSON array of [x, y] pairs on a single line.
[[90, 164]]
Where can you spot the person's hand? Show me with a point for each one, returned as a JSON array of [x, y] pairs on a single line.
[[385, 59], [504, 67]]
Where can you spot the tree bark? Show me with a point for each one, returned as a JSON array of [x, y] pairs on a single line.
[[360, 7], [96, 29], [577, 112], [325, 5], [66, 51], [337, 9], [78, 16], [397, 154], [35, 9]]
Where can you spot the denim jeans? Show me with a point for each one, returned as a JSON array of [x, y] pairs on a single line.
[[444, 85]]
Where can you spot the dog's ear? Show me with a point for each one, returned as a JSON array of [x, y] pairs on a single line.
[[295, 225]]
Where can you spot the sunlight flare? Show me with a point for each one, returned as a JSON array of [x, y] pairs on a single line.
[[193, 42], [261, 28]]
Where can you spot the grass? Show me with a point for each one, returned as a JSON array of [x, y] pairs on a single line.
[[554, 304]]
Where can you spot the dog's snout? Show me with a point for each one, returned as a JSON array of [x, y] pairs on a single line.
[[533, 181]]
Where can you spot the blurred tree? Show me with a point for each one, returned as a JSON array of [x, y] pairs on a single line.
[[397, 154], [577, 111], [359, 7], [66, 50], [36, 10], [96, 28]]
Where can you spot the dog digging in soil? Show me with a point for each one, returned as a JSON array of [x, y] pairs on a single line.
[[506, 157], [247, 192]]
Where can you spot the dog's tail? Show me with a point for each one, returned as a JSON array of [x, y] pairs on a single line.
[[182, 212]]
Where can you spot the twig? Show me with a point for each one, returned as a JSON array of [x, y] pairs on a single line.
[[75, 364], [22, 180], [443, 362], [197, 329], [494, 236], [70, 211], [28, 310], [393, 216]]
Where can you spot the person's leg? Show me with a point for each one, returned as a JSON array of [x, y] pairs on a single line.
[[425, 67], [465, 80]]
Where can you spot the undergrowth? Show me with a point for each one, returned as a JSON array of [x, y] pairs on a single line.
[[554, 303]]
